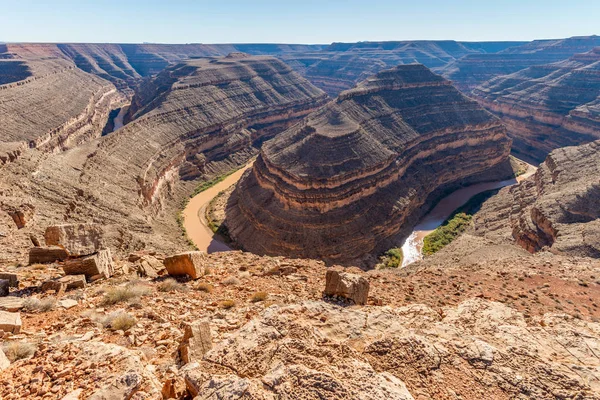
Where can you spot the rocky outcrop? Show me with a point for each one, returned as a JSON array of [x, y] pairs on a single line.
[[474, 69], [353, 176], [557, 209], [348, 286], [341, 66], [548, 106]]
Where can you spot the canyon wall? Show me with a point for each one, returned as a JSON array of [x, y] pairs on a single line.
[[193, 121], [556, 209], [341, 66], [548, 106], [350, 180], [474, 69]]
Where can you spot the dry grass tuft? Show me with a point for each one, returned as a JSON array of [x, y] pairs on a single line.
[[231, 281], [171, 285], [18, 350], [205, 287], [33, 304], [259, 296], [132, 291], [227, 304], [119, 321]]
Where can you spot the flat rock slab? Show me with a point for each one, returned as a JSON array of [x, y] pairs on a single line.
[[67, 303], [100, 263], [10, 322], [4, 361], [11, 303], [349, 286], [44, 255], [192, 263], [77, 239], [65, 283]]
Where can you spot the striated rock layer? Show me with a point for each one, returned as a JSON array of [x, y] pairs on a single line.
[[474, 69], [557, 208], [196, 120], [548, 106], [341, 66], [352, 177]]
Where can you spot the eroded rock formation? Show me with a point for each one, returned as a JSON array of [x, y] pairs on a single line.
[[548, 106], [351, 178], [197, 119], [557, 208]]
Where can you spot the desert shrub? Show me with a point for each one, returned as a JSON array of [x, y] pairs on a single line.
[[231, 281], [171, 285], [259, 296], [227, 304], [128, 292], [119, 321], [393, 258], [18, 350], [33, 304], [205, 287], [446, 233]]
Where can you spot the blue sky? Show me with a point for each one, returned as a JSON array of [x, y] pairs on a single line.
[[307, 21]]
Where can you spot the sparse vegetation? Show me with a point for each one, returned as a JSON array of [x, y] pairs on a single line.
[[259, 296], [119, 321], [33, 304], [18, 350], [171, 285], [227, 304], [392, 258], [231, 281], [128, 292], [446, 233], [205, 287]]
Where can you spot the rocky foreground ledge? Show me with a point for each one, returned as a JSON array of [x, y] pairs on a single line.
[[236, 325]]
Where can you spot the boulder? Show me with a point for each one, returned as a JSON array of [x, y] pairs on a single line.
[[65, 283], [10, 322], [196, 342], [349, 286], [50, 254], [4, 287], [4, 362], [13, 280], [76, 239], [194, 379], [100, 263], [192, 263], [148, 266], [122, 388]]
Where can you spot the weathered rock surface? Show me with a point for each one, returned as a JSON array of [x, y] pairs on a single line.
[[319, 350], [13, 279], [352, 177], [196, 342], [99, 264], [43, 255], [557, 208], [191, 263], [69, 282], [10, 322], [4, 287], [349, 286], [76, 239], [548, 106], [473, 69]]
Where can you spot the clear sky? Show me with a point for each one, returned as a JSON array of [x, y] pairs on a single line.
[[285, 21]]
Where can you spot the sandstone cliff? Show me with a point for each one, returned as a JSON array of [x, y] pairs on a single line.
[[473, 69], [196, 120], [354, 175], [548, 106], [557, 209]]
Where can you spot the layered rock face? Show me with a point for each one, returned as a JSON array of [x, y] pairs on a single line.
[[474, 69], [341, 66], [557, 208], [352, 177], [548, 106], [198, 119], [46, 102]]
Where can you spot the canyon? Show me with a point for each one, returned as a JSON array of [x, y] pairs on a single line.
[[348, 181]]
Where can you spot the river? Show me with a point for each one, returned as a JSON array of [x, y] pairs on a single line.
[[413, 245]]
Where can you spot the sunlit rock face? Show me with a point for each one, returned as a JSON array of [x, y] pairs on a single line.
[[548, 106], [354, 175]]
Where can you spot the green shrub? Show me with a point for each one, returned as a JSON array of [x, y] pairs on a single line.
[[393, 258], [446, 233]]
